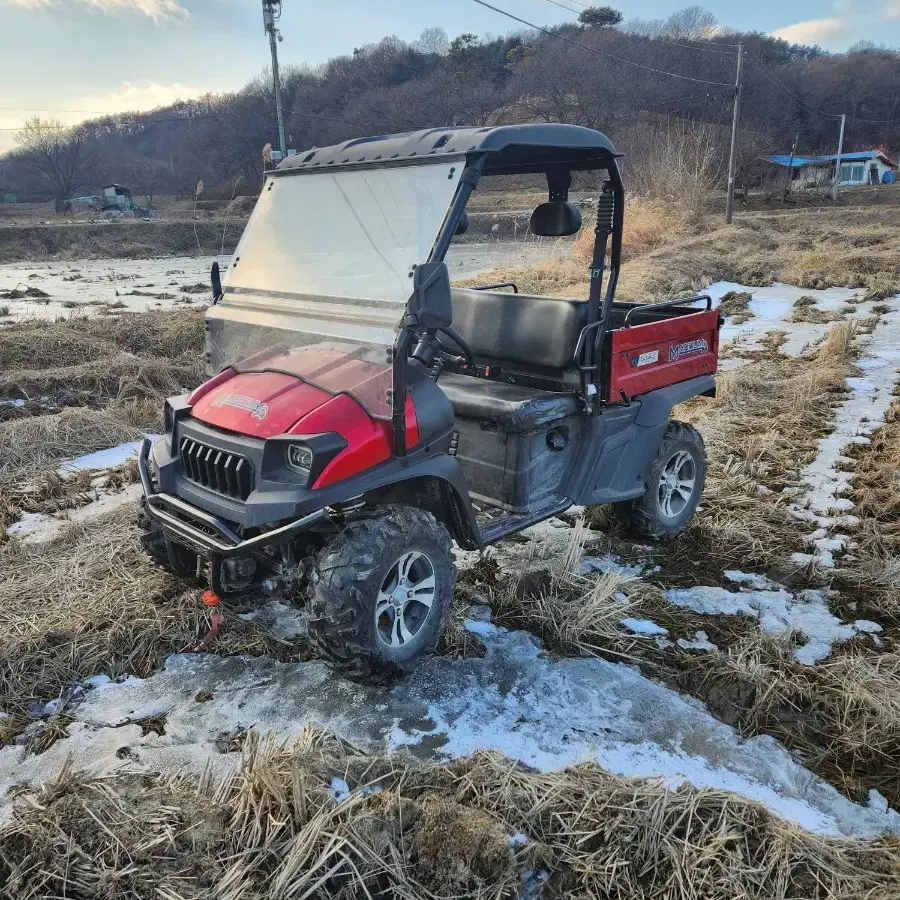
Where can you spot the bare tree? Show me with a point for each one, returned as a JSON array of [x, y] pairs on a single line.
[[682, 166], [58, 155], [146, 175], [690, 23], [433, 41]]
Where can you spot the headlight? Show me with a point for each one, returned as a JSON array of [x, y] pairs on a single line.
[[300, 459]]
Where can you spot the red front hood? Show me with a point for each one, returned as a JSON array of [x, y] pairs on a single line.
[[258, 404]]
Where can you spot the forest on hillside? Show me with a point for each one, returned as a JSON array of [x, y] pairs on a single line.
[[596, 73]]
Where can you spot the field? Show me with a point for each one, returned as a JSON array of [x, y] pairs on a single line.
[[713, 718]]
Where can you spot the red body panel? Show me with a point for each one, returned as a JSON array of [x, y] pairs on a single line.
[[657, 354], [210, 385], [258, 404], [269, 404], [369, 441]]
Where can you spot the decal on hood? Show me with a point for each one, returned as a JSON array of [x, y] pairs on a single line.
[[256, 408]]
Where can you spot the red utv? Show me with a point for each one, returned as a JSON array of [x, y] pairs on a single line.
[[366, 414]]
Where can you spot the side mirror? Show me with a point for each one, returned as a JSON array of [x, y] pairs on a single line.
[[430, 306], [216, 281], [463, 225], [558, 218]]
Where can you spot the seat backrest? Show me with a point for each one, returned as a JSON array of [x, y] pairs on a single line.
[[520, 329]]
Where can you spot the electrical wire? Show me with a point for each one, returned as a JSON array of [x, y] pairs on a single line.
[[563, 6], [188, 119], [660, 39], [821, 112], [698, 49], [621, 59]]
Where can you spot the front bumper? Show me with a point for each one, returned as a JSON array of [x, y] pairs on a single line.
[[203, 532]]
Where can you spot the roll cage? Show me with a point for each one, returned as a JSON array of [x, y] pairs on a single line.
[[553, 150]]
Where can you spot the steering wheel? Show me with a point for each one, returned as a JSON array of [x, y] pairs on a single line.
[[461, 345]]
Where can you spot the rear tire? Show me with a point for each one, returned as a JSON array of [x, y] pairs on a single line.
[[675, 482], [381, 592]]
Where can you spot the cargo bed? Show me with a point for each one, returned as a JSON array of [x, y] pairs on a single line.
[[652, 346]]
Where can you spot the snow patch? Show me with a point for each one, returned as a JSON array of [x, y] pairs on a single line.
[[778, 612], [544, 712], [102, 459], [644, 626], [773, 309], [701, 641], [857, 417], [35, 528], [609, 565]]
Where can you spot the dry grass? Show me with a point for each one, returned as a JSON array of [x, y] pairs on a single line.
[[876, 496], [91, 603], [95, 361], [27, 446], [761, 429], [842, 715], [273, 830], [805, 248]]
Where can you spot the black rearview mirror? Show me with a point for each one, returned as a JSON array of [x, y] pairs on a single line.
[[429, 305], [558, 218]]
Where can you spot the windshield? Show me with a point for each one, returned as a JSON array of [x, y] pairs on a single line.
[[348, 234], [321, 276]]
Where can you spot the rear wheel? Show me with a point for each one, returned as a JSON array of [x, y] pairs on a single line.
[[381, 593], [675, 482]]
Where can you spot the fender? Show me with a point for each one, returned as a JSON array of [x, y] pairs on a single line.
[[433, 464], [657, 405]]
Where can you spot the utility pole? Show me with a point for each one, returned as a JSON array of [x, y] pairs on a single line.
[[732, 160], [271, 14], [790, 174], [837, 162]]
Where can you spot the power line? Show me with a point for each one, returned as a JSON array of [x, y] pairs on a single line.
[[188, 119], [660, 39], [568, 40], [821, 112], [692, 47], [563, 6]]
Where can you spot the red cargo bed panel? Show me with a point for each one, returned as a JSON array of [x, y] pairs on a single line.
[[657, 354]]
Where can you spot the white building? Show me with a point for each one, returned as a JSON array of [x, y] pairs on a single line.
[[863, 167]]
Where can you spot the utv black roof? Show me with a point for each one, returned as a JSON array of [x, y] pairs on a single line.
[[512, 148]]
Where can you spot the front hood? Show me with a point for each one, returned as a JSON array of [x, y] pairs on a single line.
[[259, 404]]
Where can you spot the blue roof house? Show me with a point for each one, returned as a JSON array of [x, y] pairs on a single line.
[[863, 167]]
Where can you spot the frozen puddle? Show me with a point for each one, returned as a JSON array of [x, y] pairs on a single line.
[[89, 286], [778, 612], [79, 287], [546, 713], [773, 308], [824, 503]]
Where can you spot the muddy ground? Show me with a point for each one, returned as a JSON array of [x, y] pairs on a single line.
[[712, 718]]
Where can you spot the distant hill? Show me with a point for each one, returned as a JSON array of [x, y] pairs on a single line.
[[531, 76]]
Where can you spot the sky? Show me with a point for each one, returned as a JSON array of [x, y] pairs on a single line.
[[67, 59]]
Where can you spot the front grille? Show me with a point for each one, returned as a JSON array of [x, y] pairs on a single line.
[[220, 471]]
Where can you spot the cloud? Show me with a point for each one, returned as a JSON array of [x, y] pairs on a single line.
[[814, 31], [136, 97], [891, 9], [130, 97], [155, 9]]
